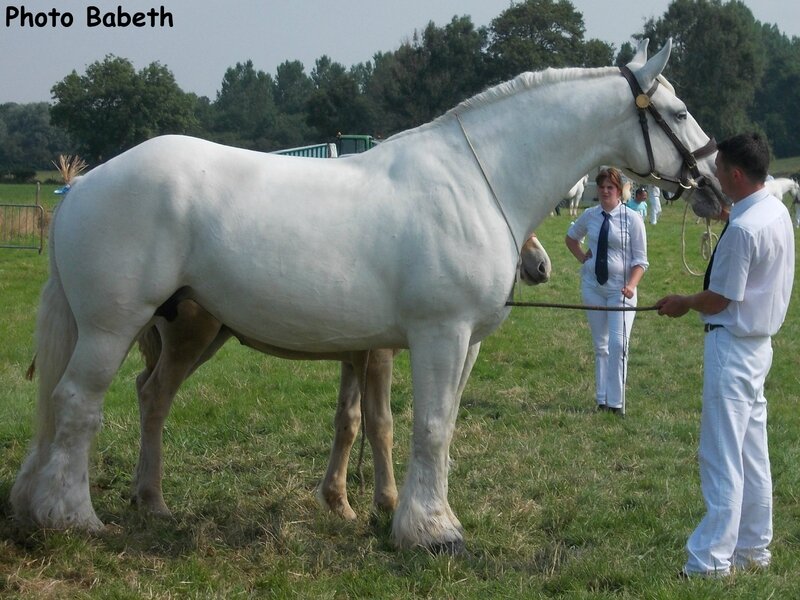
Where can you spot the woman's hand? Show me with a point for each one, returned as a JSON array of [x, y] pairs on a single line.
[[628, 291]]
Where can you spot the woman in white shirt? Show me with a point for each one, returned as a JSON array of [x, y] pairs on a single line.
[[610, 286]]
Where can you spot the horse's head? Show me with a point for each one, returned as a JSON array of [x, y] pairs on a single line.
[[534, 266], [672, 151]]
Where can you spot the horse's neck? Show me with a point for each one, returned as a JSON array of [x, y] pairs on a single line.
[[537, 143]]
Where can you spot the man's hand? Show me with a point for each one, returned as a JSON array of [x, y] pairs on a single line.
[[673, 306]]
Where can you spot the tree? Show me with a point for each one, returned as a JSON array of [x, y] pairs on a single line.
[[717, 60], [597, 53], [291, 92], [336, 105], [776, 108], [27, 139], [112, 107], [453, 65], [535, 34], [245, 109], [428, 74], [625, 54]]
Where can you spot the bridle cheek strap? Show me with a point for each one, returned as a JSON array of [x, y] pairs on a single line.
[[689, 175]]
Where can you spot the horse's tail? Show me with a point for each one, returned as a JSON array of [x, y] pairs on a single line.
[[56, 336]]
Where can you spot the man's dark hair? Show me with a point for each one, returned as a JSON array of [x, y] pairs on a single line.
[[749, 152]]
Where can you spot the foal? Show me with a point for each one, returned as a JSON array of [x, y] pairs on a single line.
[[174, 348]]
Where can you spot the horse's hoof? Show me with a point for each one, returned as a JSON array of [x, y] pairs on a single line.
[[337, 505], [152, 507], [385, 504], [454, 548]]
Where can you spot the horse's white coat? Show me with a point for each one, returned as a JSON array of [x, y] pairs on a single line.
[[402, 246]]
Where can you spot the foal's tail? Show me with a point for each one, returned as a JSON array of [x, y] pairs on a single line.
[[56, 336]]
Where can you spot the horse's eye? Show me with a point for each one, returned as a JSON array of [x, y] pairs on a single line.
[[682, 115]]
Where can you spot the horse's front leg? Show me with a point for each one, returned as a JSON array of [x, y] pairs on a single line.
[[424, 517]]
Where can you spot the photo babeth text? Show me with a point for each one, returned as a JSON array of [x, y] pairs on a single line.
[[19, 16]]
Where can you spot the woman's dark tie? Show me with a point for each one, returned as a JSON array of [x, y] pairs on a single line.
[[707, 276], [601, 260]]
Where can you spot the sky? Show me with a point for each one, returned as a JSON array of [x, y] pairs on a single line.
[[209, 36]]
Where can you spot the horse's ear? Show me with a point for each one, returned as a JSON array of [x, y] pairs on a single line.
[[641, 54], [653, 67]]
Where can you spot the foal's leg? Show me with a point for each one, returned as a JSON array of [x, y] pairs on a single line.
[[332, 491], [186, 342], [380, 427], [424, 517]]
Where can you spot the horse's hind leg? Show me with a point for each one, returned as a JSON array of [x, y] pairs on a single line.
[[379, 425], [186, 342], [58, 493], [332, 491]]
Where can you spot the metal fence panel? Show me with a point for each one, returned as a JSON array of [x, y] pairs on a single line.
[[22, 226]]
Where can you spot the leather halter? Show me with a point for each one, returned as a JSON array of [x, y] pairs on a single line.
[[690, 176]]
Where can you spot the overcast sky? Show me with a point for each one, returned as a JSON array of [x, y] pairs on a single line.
[[209, 36]]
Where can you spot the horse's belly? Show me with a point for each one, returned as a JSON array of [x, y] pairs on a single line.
[[301, 311]]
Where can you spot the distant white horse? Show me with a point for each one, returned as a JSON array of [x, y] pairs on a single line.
[[410, 245], [173, 349], [575, 194], [780, 186]]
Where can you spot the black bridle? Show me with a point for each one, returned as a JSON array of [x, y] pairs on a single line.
[[689, 176]]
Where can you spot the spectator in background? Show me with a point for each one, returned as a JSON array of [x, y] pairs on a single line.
[[639, 202], [654, 200]]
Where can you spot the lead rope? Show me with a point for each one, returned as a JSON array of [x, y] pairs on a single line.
[[624, 305], [709, 238], [499, 207]]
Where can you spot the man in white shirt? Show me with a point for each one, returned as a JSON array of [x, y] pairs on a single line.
[[750, 281]]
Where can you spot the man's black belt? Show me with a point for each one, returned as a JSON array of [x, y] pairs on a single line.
[[711, 327]]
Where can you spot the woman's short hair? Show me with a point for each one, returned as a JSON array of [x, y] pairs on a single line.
[[613, 175]]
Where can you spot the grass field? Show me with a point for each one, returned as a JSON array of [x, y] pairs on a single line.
[[557, 500]]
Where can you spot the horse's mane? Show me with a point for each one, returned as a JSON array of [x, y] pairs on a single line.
[[526, 81], [520, 83]]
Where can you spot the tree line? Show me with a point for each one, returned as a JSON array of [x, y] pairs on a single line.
[[734, 73]]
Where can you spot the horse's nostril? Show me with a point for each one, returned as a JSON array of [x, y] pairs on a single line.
[[542, 268]]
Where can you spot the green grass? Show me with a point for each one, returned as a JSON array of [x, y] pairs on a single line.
[[785, 167], [557, 500], [24, 193]]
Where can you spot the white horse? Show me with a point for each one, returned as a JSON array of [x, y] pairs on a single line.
[[410, 245], [780, 186], [575, 194], [173, 349]]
